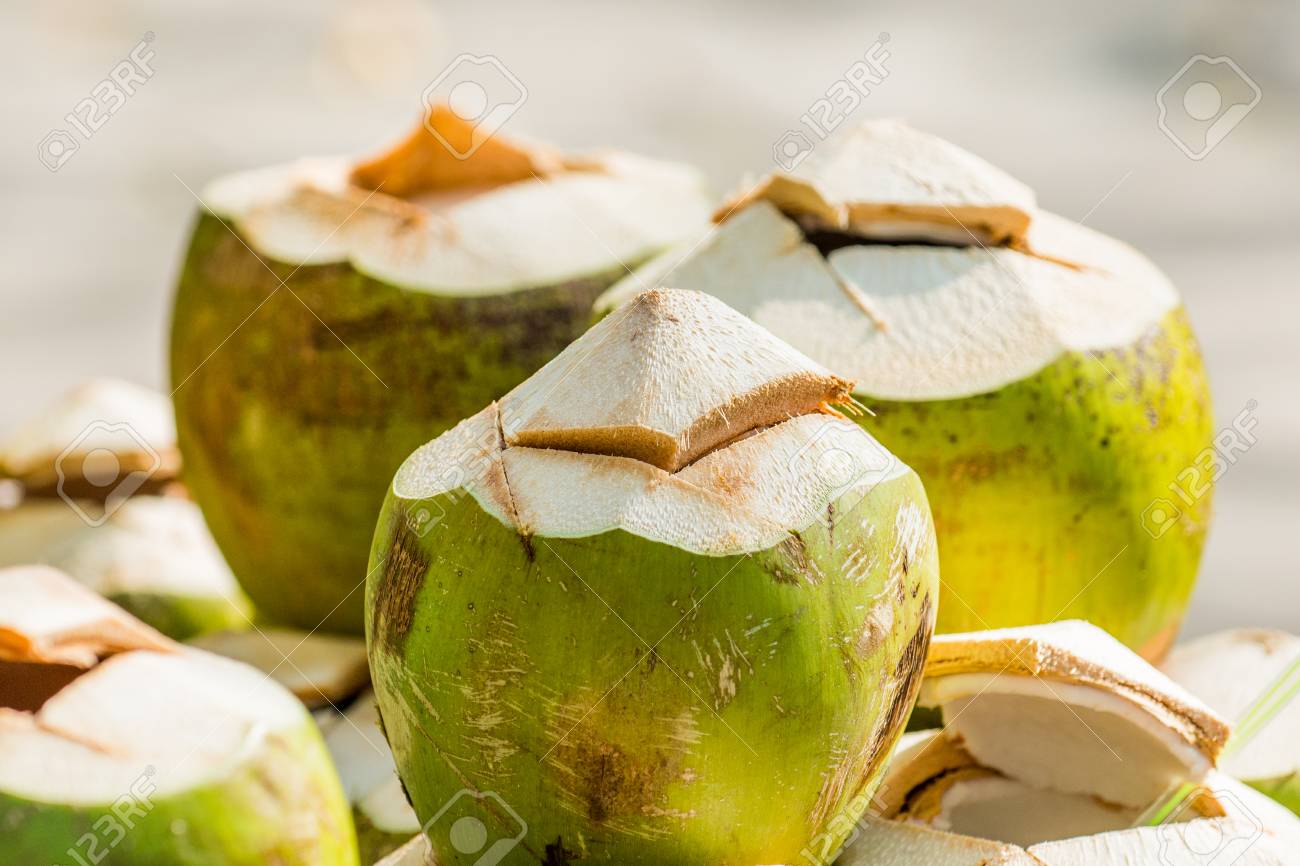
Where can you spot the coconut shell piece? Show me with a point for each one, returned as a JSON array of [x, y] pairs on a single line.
[[95, 441], [887, 181], [1079, 653]]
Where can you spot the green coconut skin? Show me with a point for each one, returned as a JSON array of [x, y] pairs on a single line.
[[289, 440], [755, 731], [284, 806], [1039, 489], [183, 617]]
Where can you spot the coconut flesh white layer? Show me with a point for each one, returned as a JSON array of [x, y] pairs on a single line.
[[148, 545], [512, 215], [319, 669], [997, 291], [1229, 671], [715, 438], [1056, 740], [103, 430], [365, 764], [90, 698]]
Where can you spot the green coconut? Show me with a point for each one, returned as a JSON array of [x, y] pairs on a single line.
[[121, 748], [660, 604], [1041, 378], [1232, 669], [1057, 740], [417, 287]]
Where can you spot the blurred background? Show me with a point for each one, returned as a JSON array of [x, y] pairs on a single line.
[[94, 225]]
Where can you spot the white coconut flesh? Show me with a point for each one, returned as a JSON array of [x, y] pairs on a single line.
[[105, 431], [711, 435], [91, 698], [953, 317], [319, 669], [509, 216], [1018, 784], [155, 545], [1229, 671], [365, 765]]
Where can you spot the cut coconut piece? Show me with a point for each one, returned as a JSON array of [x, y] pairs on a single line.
[[886, 181], [1230, 670], [886, 843], [152, 555], [364, 761], [105, 438], [318, 668], [48, 619], [422, 218], [640, 355], [593, 469], [171, 732], [1067, 707]]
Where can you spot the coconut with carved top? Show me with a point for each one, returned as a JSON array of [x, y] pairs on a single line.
[[333, 315], [120, 747], [661, 603], [1057, 740], [1040, 377]]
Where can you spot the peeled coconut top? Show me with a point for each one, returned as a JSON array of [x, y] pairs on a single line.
[[915, 269], [103, 426], [1229, 670], [511, 215], [148, 544], [91, 699], [675, 419], [1057, 739]]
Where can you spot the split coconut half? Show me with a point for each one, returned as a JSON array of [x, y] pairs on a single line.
[[152, 555], [661, 565], [1041, 378], [384, 819], [1230, 670], [1056, 741], [417, 286], [118, 746]]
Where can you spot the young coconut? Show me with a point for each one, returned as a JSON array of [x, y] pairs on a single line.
[[320, 669], [658, 570], [384, 819], [1041, 378], [1229, 671], [102, 442], [152, 555], [122, 748], [1057, 738], [417, 287]]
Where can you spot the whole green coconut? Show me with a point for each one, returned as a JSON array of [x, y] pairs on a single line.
[[332, 316], [121, 748], [1040, 377], [660, 604]]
